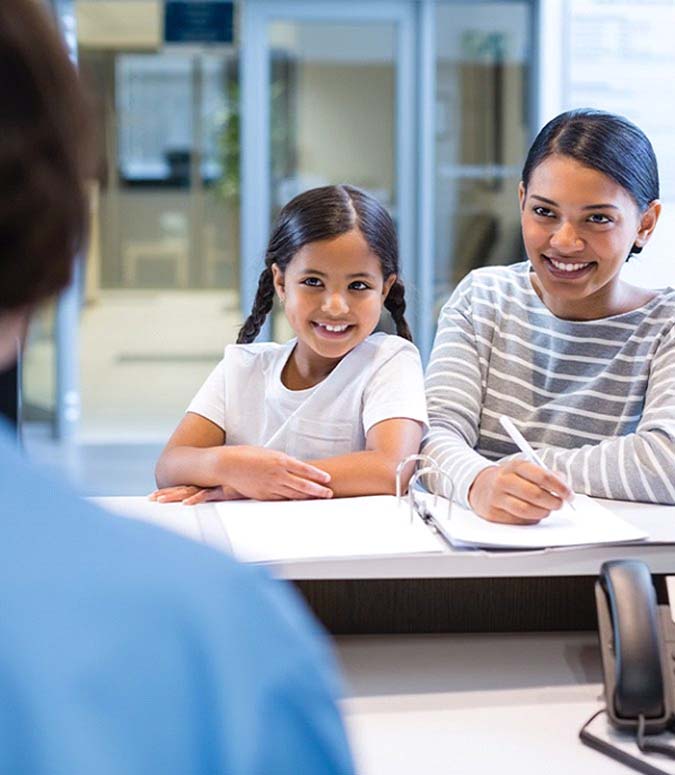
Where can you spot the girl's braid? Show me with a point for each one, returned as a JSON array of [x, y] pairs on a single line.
[[262, 304]]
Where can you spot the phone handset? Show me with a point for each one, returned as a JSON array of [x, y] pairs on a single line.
[[638, 688]]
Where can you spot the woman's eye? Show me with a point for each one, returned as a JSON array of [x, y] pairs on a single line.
[[358, 285], [312, 282], [599, 218], [543, 211]]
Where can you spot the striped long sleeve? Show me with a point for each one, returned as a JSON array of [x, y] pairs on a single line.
[[595, 398]]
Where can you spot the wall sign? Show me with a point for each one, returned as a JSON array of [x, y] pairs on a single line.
[[198, 21]]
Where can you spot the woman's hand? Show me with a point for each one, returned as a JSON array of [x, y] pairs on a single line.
[[517, 493], [268, 475]]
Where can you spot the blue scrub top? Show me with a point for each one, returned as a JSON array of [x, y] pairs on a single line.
[[127, 649]]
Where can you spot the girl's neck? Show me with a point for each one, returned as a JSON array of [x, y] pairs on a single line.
[[305, 369]]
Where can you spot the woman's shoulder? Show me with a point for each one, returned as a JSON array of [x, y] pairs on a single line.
[[507, 276], [494, 286]]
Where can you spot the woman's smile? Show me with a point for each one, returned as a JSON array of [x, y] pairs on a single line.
[[566, 269]]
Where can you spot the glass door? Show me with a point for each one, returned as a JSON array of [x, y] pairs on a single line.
[[327, 90]]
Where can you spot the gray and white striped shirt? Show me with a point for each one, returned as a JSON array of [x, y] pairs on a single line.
[[595, 398]]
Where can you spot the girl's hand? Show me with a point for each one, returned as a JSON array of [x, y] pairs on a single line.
[[265, 474], [517, 493], [190, 495]]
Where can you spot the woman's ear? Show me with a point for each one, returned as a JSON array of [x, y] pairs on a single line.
[[387, 285], [521, 194], [278, 281], [648, 223]]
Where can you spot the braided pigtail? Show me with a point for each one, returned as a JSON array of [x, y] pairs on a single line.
[[262, 304], [395, 303]]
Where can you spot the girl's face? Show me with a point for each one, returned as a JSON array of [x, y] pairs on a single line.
[[333, 292], [578, 227]]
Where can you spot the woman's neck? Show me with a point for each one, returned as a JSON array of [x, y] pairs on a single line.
[[608, 301]]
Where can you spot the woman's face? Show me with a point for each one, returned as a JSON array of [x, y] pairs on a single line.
[[579, 227]]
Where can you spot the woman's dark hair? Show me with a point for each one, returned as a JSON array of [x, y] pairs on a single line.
[[605, 142], [45, 156], [324, 213]]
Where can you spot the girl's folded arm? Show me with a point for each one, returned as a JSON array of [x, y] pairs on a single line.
[[192, 455], [373, 471]]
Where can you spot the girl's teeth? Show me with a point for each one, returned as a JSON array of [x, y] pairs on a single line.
[[568, 267], [334, 328]]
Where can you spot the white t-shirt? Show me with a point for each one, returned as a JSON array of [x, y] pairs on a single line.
[[379, 379]]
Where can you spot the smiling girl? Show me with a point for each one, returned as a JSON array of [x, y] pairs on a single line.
[[581, 360], [333, 411]]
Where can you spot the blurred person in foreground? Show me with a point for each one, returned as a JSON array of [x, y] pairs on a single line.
[[123, 648]]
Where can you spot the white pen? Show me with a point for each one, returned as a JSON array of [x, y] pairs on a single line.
[[519, 440]]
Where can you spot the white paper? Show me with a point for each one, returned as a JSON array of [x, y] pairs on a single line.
[[170, 516], [342, 527], [588, 523]]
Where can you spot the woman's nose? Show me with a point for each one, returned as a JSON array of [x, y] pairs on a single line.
[[565, 239], [335, 304]]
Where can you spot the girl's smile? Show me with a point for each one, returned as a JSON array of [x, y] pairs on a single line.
[[579, 226], [333, 292]]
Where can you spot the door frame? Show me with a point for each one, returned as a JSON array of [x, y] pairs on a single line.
[[256, 16]]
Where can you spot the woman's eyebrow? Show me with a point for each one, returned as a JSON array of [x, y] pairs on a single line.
[[605, 205]]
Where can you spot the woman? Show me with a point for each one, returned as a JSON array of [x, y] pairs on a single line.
[[582, 361]]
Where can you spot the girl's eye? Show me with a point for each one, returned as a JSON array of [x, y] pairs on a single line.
[[312, 282], [599, 218], [543, 211], [358, 285]]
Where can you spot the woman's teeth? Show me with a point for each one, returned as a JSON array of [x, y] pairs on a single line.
[[568, 267]]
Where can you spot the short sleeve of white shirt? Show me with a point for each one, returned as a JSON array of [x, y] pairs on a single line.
[[396, 388], [210, 399], [380, 379]]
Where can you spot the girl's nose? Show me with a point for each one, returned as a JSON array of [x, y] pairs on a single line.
[[566, 240], [335, 304]]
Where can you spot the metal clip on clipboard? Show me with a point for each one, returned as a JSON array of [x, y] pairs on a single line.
[[417, 504]]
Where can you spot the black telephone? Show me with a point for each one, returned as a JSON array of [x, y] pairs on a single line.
[[637, 643]]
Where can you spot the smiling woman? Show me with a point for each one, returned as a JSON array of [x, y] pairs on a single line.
[[583, 361]]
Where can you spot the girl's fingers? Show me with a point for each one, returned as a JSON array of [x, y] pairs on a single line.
[[172, 494], [306, 471], [307, 489], [199, 497]]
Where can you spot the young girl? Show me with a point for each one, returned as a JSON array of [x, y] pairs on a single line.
[[333, 411], [581, 360]]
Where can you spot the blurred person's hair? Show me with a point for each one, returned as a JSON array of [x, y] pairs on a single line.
[[45, 157]]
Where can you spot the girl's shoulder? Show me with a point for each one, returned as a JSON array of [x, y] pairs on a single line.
[[383, 346], [255, 355]]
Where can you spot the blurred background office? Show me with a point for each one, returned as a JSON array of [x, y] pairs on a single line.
[[212, 114]]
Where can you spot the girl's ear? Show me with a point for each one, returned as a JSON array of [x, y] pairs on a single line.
[[387, 286], [521, 194], [648, 223], [278, 281]]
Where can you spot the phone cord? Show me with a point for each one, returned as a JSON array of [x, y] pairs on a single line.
[[650, 746]]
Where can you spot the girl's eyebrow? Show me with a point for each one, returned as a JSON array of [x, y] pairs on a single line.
[[586, 207], [316, 272]]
